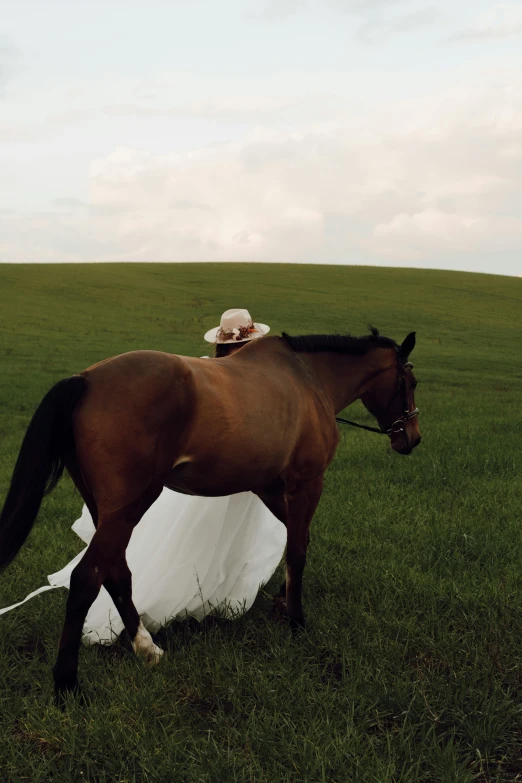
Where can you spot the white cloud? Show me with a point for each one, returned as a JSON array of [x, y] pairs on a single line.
[[363, 5], [379, 27], [418, 183], [280, 9], [499, 21], [277, 9], [246, 107], [9, 55], [44, 129], [463, 234]]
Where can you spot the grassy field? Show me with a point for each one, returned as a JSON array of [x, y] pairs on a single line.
[[410, 668]]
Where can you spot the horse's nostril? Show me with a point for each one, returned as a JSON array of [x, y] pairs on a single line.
[[417, 441]]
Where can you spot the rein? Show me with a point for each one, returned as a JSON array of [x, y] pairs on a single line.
[[360, 426], [392, 429]]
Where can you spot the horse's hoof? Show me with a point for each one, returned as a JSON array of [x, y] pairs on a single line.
[[154, 655], [66, 687], [151, 654], [144, 646], [297, 624]]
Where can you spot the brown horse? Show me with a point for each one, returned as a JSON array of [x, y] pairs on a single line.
[[262, 420]]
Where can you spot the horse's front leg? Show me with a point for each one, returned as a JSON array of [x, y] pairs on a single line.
[[276, 502], [302, 502], [280, 597]]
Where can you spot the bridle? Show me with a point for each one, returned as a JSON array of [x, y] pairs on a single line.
[[398, 424]]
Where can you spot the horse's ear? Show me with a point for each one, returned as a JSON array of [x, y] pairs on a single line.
[[407, 346]]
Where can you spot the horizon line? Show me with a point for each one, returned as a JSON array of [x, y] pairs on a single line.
[[271, 263]]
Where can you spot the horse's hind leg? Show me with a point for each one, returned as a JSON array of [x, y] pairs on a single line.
[[102, 560], [86, 581], [118, 582], [106, 546], [119, 586]]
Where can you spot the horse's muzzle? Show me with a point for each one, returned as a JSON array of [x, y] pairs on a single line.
[[404, 446]]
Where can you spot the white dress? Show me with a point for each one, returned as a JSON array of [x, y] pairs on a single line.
[[189, 556]]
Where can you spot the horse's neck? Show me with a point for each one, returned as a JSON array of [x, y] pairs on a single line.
[[344, 376]]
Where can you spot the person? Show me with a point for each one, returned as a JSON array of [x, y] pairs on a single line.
[[190, 555]]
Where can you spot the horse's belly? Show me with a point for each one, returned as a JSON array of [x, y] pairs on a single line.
[[193, 478]]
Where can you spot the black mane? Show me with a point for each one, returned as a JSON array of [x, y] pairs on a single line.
[[339, 343]]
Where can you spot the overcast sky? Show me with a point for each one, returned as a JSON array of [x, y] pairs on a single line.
[[383, 132]]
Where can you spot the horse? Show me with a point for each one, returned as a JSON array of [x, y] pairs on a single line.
[[260, 420]]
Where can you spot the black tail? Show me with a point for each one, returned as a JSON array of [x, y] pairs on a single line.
[[49, 438]]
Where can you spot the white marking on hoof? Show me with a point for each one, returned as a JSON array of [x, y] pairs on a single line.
[[144, 647]]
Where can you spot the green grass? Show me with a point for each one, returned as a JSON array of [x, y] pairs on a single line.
[[410, 669]]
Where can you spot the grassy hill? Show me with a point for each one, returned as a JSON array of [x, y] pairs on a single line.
[[410, 669]]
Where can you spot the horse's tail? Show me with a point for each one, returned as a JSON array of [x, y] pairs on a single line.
[[48, 440]]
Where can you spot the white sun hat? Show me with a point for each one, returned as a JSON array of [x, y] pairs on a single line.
[[236, 327]]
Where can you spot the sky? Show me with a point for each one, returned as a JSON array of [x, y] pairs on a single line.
[[381, 132]]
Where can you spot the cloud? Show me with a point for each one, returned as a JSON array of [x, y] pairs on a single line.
[[69, 205], [378, 29], [422, 183], [10, 134], [9, 55], [281, 9], [382, 17], [228, 108], [363, 6], [500, 21], [44, 130], [446, 231], [277, 9], [72, 117], [67, 202]]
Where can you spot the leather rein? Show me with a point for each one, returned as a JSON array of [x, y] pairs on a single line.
[[397, 425]]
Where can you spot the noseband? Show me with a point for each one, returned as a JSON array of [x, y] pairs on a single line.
[[398, 424]]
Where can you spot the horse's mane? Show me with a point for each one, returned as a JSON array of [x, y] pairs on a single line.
[[339, 343]]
